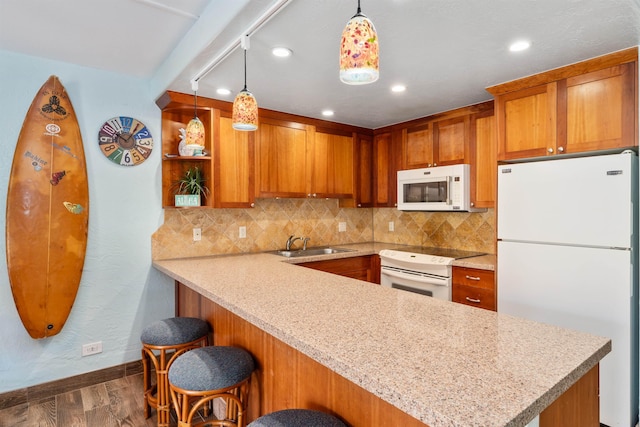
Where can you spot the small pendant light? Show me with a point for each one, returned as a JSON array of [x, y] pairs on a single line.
[[359, 51], [245, 106], [194, 134]]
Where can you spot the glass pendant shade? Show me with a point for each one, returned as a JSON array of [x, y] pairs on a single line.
[[245, 111], [194, 134], [359, 60], [245, 106]]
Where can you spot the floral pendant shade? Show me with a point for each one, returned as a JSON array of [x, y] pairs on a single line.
[[194, 134], [359, 51], [245, 106], [245, 111]]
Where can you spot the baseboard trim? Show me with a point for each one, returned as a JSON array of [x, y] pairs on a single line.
[[46, 390]]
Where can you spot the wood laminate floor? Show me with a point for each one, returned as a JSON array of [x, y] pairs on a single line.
[[117, 403]]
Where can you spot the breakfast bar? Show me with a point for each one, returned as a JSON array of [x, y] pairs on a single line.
[[378, 356]]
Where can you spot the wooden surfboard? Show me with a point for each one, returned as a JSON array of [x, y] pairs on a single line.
[[47, 212]]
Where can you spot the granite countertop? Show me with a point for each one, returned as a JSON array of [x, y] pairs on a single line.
[[446, 364]]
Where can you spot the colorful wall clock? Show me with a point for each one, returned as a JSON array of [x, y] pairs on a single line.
[[125, 141]]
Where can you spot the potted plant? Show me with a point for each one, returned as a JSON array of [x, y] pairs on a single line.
[[190, 187]]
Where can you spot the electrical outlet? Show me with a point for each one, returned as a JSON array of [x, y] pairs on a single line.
[[391, 226], [197, 234], [242, 232], [342, 226], [93, 348]]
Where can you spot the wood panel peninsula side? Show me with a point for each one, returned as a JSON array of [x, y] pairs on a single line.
[[378, 356]]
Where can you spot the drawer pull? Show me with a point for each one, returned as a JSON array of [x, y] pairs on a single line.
[[472, 277], [477, 301]]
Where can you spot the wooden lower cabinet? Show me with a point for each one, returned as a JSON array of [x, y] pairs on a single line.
[[365, 268], [474, 287]]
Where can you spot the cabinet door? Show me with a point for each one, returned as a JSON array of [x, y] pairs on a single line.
[[417, 147], [332, 172], [281, 164], [364, 181], [526, 121], [233, 165], [483, 148], [384, 172], [451, 141], [599, 112], [361, 267]]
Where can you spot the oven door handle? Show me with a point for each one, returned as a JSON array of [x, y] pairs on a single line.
[[436, 282]]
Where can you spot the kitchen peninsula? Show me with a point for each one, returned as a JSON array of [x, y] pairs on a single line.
[[372, 355]]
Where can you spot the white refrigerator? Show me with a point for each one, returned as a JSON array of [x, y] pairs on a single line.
[[567, 255]]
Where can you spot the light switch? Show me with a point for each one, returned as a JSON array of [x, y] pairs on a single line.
[[342, 226]]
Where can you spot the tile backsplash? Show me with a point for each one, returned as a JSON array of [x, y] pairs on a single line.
[[272, 221]]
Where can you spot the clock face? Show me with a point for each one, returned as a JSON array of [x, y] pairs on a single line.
[[125, 141]]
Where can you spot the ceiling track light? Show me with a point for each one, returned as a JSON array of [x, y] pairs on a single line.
[[245, 107], [359, 57]]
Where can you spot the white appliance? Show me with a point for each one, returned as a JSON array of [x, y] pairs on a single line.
[[422, 270], [442, 188], [567, 255]]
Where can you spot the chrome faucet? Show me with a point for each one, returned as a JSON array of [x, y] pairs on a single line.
[[304, 243], [290, 241]]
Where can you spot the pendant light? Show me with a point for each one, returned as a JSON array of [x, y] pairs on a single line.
[[245, 106], [359, 51], [194, 134]]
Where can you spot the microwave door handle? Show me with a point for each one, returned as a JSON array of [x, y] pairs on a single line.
[[449, 190]]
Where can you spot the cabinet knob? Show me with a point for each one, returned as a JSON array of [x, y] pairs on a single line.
[[435, 164], [253, 205], [359, 205], [560, 149], [550, 150], [429, 165]]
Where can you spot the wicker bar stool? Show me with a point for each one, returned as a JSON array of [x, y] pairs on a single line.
[[162, 342], [296, 418], [199, 376]]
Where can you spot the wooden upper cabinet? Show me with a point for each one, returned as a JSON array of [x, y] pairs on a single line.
[[281, 159], [527, 122], [333, 165], [233, 165], [588, 106], [484, 166], [451, 141], [384, 170], [363, 196], [417, 147], [599, 109]]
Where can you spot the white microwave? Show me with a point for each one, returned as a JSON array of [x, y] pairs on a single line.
[[441, 188]]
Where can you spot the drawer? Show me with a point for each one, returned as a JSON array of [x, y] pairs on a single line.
[[474, 277], [474, 296]]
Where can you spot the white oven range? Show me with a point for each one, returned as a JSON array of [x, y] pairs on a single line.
[[422, 270]]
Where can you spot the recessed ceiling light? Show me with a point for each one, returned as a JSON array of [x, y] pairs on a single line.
[[398, 88], [519, 46], [223, 91], [327, 113], [281, 52]]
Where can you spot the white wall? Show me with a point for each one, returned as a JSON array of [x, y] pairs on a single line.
[[120, 291]]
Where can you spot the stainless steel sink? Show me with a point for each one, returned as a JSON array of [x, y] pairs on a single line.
[[311, 252]]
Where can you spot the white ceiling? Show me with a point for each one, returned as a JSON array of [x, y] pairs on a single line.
[[445, 51]]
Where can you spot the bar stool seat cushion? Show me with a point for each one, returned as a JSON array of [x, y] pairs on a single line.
[[211, 368], [174, 331], [297, 417]]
